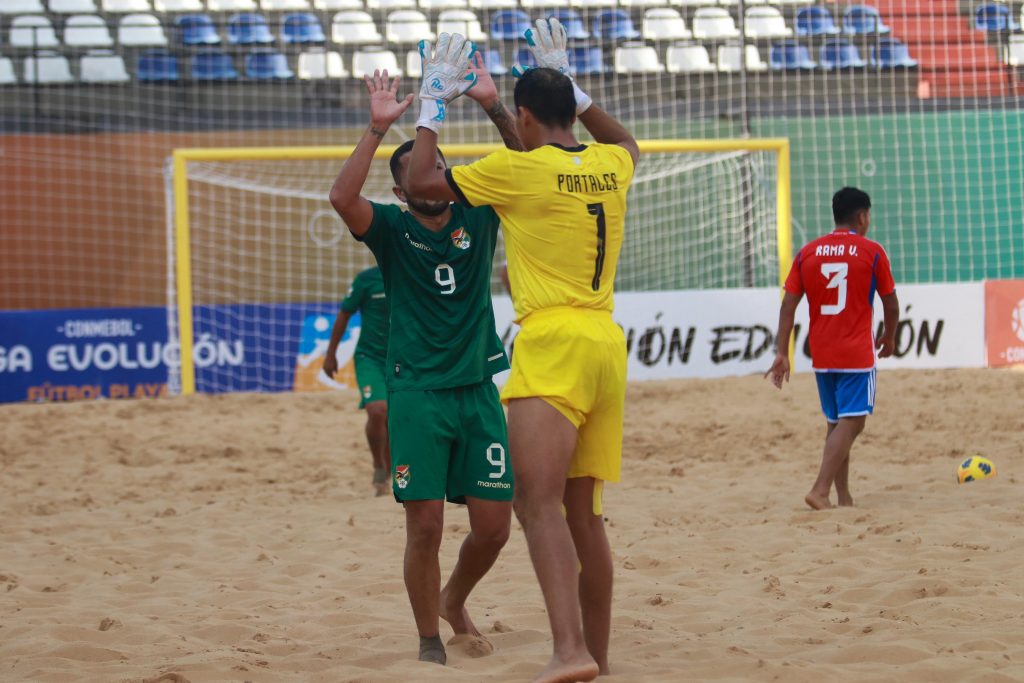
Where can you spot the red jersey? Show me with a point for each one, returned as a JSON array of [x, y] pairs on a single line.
[[840, 274]]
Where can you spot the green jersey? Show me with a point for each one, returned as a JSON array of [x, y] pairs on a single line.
[[367, 296], [438, 286]]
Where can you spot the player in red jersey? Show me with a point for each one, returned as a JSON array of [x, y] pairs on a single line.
[[840, 274]]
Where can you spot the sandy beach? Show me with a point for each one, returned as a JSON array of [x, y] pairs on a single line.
[[234, 538]]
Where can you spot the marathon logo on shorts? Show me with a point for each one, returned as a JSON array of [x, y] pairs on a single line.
[[460, 238], [402, 476], [494, 484]]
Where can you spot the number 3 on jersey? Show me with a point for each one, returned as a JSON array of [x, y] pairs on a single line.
[[444, 276], [836, 274]]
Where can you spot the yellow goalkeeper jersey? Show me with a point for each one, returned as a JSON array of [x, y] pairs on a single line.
[[563, 214]]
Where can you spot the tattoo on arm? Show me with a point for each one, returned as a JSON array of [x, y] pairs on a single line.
[[506, 125], [379, 133]]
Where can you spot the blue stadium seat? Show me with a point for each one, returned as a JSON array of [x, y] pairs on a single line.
[[891, 53], [157, 65], [213, 65], [249, 29], [586, 60], [573, 23], [839, 53], [268, 65], [509, 24], [863, 20], [492, 60], [302, 28], [615, 24], [815, 21], [525, 58], [790, 55], [994, 17], [196, 29]]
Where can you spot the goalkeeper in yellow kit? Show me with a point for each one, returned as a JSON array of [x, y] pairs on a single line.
[[562, 206]]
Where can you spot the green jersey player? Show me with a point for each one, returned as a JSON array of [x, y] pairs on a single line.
[[445, 422]]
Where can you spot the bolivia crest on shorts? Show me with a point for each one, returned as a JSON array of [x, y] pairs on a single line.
[[460, 238], [368, 391], [402, 476]]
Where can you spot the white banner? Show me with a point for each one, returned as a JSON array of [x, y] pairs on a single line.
[[727, 332]]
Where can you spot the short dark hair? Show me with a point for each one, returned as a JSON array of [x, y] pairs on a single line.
[[396, 159], [548, 95], [847, 202]]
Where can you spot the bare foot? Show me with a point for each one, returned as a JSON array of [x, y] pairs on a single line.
[[845, 499], [382, 489], [456, 616], [472, 646], [817, 502], [582, 667], [432, 650]]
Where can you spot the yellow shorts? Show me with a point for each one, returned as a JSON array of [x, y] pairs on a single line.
[[575, 359]]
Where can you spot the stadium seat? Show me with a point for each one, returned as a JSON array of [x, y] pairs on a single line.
[[839, 53], [492, 60], [141, 30], [641, 3], [102, 66], [355, 28], [714, 23], [86, 30], [637, 58], [196, 29], [790, 55], [815, 21], [584, 61], [213, 65], [267, 65], [663, 23], [729, 59], [249, 29], [72, 6], [442, 4], [734, 3], [890, 53], [766, 22], [863, 20], [492, 4], [337, 4], [461, 21], [592, 4], [126, 6], [302, 28], [413, 64], [792, 2], [367, 59], [691, 3], [390, 4], [21, 7], [283, 5], [1013, 55], [509, 24], [317, 66], [571, 20], [47, 67], [157, 66], [525, 58], [178, 5], [994, 17], [407, 26], [531, 4], [32, 31], [688, 59], [230, 5], [7, 76], [614, 24]]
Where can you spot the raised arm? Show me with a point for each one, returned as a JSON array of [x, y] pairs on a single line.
[[779, 370], [605, 128], [485, 92], [346, 197]]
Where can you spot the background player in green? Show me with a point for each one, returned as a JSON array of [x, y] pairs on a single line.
[[445, 421], [366, 295]]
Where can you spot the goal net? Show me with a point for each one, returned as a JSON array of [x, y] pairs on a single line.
[[258, 259]]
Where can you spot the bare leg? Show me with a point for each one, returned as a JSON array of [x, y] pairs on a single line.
[[489, 524], [596, 572], [424, 523], [542, 441], [377, 437], [837, 451]]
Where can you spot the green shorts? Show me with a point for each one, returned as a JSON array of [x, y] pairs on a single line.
[[370, 378], [449, 443]]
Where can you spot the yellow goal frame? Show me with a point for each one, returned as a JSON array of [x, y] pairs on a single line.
[[182, 235]]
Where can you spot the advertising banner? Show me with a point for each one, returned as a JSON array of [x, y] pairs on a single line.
[[1004, 322]]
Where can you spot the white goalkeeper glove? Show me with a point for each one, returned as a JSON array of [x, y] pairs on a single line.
[[445, 77], [548, 44]]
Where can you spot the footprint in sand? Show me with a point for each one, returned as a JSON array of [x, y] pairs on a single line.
[[472, 646]]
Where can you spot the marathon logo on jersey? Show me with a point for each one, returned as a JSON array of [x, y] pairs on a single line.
[[418, 245], [402, 476], [460, 238]]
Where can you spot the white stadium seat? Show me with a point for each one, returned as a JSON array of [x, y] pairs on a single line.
[[315, 66], [688, 59], [366, 60], [141, 29], [493, 4], [7, 76], [714, 23], [663, 23], [125, 6], [178, 5], [230, 5], [355, 28], [637, 58], [461, 21], [442, 4], [733, 3], [47, 67], [689, 3], [766, 22], [86, 30], [72, 6], [337, 4], [729, 59], [275, 5], [32, 31], [592, 4], [531, 4], [21, 6], [1014, 53], [413, 64], [407, 26], [641, 3], [390, 4], [102, 67]]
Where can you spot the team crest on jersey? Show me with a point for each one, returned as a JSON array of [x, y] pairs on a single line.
[[402, 476], [367, 391], [460, 238]]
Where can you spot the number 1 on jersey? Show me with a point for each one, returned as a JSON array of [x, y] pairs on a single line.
[[836, 273], [598, 210]]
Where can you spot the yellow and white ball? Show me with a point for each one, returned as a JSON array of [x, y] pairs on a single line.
[[974, 468]]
